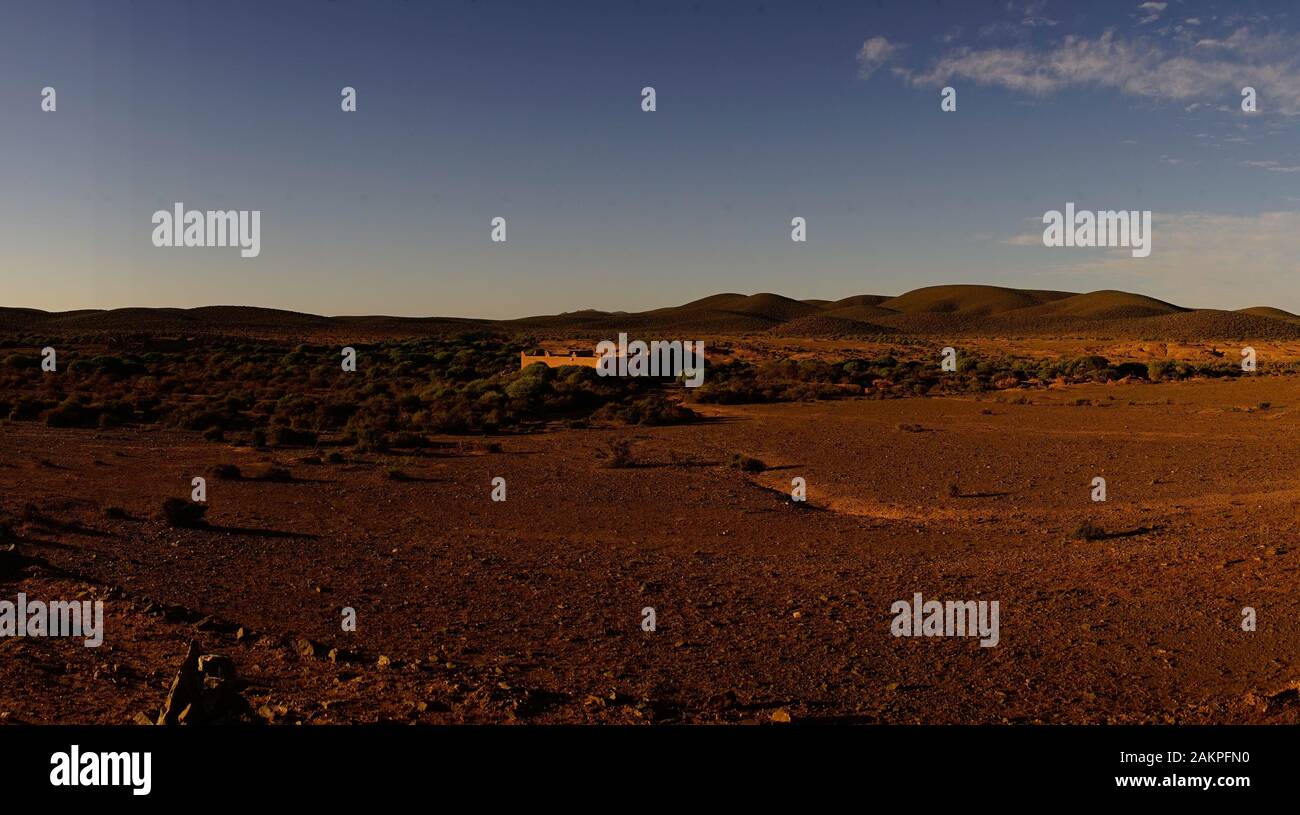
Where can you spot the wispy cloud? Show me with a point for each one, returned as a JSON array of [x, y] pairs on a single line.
[[874, 53], [1031, 13], [1187, 70], [1149, 12], [1273, 166], [1198, 258]]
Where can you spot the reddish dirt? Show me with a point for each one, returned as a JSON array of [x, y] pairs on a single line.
[[530, 610]]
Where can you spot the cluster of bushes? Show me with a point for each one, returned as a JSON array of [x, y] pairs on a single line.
[[270, 393], [888, 377], [650, 410], [1100, 369], [273, 393], [736, 382]]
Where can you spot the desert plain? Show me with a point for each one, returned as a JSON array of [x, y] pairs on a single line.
[[767, 610]]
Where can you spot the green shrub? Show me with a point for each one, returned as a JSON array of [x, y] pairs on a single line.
[[1158, 369]]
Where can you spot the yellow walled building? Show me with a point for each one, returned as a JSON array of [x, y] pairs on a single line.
[[584, 359]]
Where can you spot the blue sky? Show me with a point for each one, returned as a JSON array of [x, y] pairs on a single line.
[[531, 111]]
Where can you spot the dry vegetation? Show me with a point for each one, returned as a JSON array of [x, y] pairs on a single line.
[[265, 393]]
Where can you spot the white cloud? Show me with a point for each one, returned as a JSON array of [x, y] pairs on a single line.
[[1150, 11], [1031, 13], [1273, 166], [1036, 239], [1199, 259], [1211, 69], [874, 53]]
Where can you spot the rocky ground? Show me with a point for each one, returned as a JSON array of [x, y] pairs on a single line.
[[530, 610]]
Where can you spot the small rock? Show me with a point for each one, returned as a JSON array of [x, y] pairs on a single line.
[[204, 691], [185, 688], [781, 716], [218, 665]]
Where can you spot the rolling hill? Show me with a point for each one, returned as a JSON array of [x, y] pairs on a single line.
[[1270, 312], [1106, 305], [943, 311], [966, 300]]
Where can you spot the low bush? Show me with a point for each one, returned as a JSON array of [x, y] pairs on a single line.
[[617, 454], [275, 474], [227, 472], [745, 463], [1088, 531], [183, 513]]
